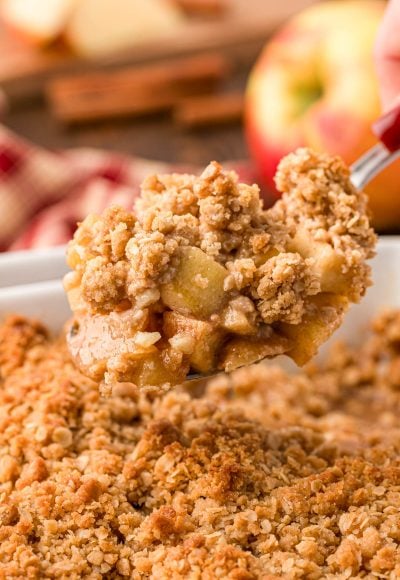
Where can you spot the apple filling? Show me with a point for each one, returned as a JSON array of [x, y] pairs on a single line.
[[200, 278]]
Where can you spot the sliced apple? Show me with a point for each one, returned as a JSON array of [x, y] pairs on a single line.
[[39, 22], [99, 27], [205, 339], [243, 351], [323, 316], [198, 286], [150, 371], [328, 263], [239, 316], [93, 340]]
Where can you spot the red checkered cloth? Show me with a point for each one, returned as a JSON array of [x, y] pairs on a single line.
[[43, 194]]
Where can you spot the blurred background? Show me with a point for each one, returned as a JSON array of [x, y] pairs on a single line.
[[177, 82]]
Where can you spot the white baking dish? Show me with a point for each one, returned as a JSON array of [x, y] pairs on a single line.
[[384, 293], [30, 284], [28, 266]]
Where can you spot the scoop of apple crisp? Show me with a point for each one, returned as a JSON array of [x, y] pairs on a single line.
[[201, 278]]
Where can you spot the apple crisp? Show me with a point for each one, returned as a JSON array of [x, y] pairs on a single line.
[[261, 475], [200, 278]]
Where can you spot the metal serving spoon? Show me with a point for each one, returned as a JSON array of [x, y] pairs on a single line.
[[387, 129]]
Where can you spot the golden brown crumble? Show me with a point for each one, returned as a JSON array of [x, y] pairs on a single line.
[[204, 249], [263, 475]]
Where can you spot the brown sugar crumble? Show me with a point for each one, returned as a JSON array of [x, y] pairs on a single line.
[[201, 278], [263, 475]]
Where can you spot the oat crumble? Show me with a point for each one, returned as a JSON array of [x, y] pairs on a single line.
[[261, 476], [201, 265]]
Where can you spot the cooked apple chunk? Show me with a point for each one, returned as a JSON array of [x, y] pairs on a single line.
[[323, 315], [198, 339], [240, 351], [200, 278], [197, 286], [328, 265]]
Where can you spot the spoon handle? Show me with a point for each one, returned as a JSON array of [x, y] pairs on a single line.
[[387, 129]]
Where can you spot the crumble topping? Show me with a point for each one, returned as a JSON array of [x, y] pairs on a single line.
[[259, 474], [194, 245]]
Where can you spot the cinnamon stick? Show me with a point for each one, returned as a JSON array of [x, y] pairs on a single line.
[[201, 111], [203, 7], [134, 91]]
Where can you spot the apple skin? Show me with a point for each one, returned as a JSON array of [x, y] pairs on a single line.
[[314, 85]]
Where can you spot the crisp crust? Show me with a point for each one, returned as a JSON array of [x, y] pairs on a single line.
[[317, 192], [319, 196], [316, 239], [224, 218], [264, 475]]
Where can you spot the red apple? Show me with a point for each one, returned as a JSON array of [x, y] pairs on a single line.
[[315, 85]]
